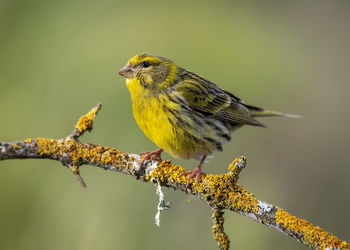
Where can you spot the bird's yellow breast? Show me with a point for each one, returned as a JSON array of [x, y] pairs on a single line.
[[152, 118], [155, 115], [170, 126]]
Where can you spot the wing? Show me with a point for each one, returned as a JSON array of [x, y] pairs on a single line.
[[208, 99]]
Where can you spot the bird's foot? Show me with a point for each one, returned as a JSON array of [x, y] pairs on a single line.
[[153, 155], [191, 174]]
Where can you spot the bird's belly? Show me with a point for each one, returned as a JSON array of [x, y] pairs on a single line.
[[177, 133], [154, 123], [159, 125]]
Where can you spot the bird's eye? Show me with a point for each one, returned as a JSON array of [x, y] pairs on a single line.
[[145, 64]]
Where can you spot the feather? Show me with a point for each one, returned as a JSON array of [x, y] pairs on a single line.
[[208, 99]]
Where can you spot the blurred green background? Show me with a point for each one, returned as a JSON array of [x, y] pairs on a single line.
[[59, 58]]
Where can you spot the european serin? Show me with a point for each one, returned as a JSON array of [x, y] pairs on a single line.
[[184, 114]]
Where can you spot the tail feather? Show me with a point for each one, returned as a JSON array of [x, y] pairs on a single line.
[[262, 113]]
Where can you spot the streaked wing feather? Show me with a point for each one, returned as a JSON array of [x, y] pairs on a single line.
[[207, 98]]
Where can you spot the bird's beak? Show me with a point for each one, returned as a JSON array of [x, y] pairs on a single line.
[[126, 71]]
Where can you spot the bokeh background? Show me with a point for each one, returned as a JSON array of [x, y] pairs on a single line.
[[59, 58]]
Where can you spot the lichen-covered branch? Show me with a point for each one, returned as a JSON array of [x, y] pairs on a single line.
[[219, 191], [218, 229]]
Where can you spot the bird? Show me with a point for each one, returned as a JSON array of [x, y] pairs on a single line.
[[184, 114]]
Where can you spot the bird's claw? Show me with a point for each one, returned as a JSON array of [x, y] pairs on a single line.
[[153, 155], [191, 174]]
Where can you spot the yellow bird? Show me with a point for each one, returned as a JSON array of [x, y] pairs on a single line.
[[183, 113]]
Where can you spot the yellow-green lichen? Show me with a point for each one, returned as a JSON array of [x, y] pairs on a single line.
[[28, 140], [312, 236]]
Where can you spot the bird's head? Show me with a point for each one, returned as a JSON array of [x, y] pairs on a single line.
[[153, 72]]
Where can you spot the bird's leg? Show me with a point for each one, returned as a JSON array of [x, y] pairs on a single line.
[[195, 172], [153, 155]]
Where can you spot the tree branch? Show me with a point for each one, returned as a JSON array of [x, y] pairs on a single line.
[[220, 191]]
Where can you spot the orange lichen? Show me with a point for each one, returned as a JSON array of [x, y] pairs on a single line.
[[85, 122], [48, 146], [218, 230], [28, 140], [79, 152], [75, 169], [167, 172], [312, 236], [220, 190], [236, 167], [106, 157], [16, 146]]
